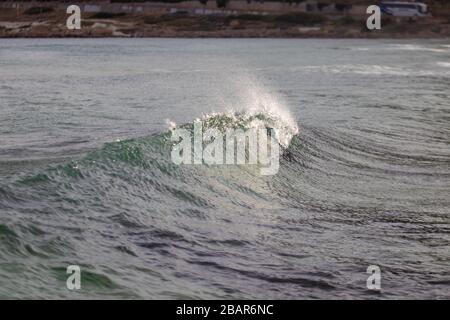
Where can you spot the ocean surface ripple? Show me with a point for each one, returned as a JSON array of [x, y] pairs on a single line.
[[86, 176]]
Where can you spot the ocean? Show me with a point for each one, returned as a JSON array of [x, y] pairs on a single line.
[[86, 176]]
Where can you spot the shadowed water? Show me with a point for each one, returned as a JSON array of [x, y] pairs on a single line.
[[86, 176]]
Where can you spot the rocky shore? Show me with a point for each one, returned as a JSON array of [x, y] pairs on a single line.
[[52, 23]]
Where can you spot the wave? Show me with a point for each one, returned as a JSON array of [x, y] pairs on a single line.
[[128, 200], [284, 130], [141, 170], [129, 174], [252, 107]]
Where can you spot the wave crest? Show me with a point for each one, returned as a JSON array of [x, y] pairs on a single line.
[[261, 109]]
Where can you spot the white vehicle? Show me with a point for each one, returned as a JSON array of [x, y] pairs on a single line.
[[404, 9]]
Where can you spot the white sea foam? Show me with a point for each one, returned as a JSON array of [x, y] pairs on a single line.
[[443, 64], [371, 69], [413, 47]]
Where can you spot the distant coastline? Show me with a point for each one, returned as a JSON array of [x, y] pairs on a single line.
[[192, 20]]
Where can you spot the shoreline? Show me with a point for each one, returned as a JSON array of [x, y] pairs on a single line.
[[290, 26], [231, 37], [228, 35]]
